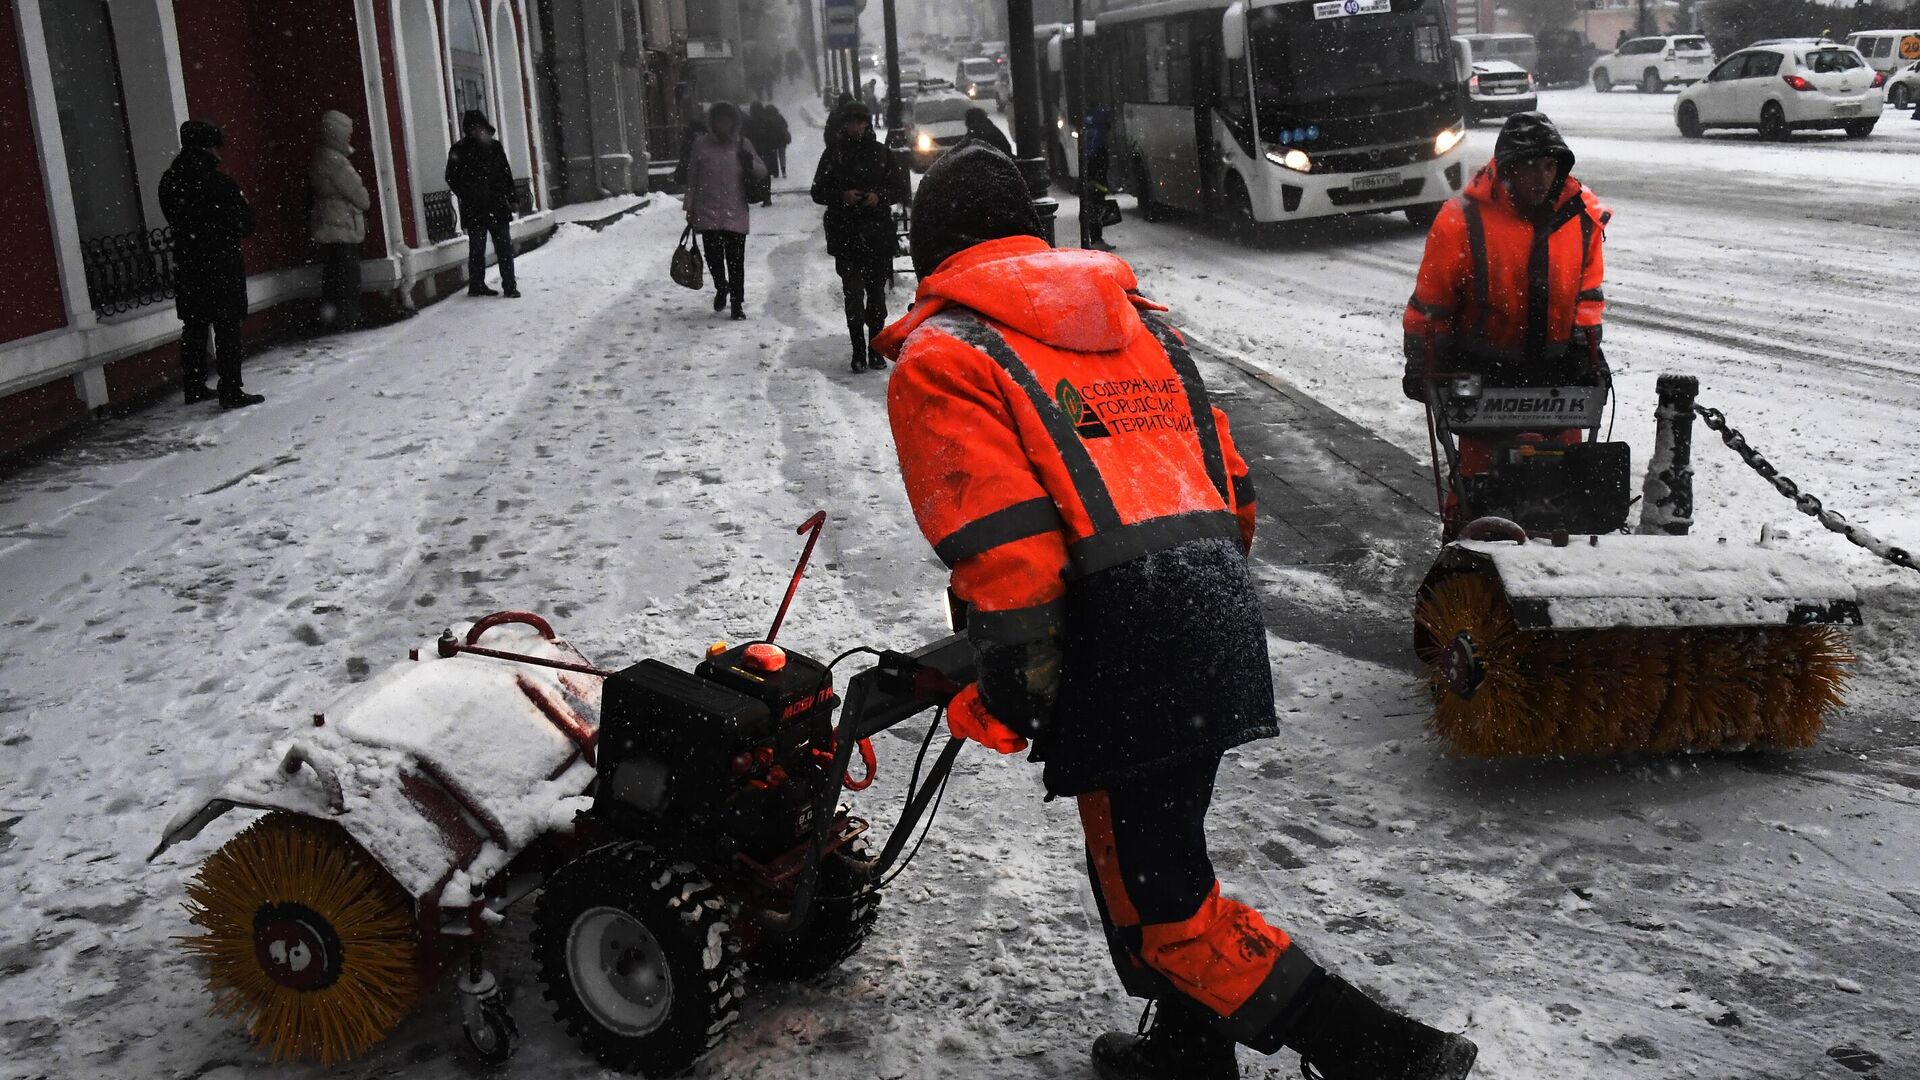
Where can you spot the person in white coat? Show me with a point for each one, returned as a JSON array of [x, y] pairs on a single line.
[[338, 221]]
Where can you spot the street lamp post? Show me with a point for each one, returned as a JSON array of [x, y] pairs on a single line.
[[896, 138], [1027, 148]]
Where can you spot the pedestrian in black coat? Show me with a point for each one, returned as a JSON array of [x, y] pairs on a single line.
[[982, 129], [209, 215], [859, 183], [781, 137], [479, 176]]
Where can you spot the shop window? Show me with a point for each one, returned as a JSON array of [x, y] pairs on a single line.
[[93, 121]]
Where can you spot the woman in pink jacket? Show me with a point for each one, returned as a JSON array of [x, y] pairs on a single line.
[[721, 166]]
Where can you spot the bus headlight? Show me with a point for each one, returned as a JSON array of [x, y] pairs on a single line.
[[924, 143], [1447, 140], [1297, 160]]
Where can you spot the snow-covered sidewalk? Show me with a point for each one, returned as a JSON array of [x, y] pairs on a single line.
[[183, 587]]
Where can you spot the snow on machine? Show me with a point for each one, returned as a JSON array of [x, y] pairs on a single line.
[[682, 828], [1546, 629]]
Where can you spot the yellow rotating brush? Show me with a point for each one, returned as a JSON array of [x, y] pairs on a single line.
[[309, 942], [1503, 691]]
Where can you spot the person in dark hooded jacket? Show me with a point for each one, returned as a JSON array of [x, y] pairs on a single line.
[[209, 216], [1061, 455], [479, 176], [981, 129], [859, 183]]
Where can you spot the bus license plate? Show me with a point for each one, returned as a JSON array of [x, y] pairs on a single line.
[[1376, 181]]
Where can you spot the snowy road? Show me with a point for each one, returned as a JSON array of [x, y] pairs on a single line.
[[178, 589]]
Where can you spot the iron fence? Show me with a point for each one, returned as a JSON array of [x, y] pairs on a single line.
[[128, 270], [441, 224]]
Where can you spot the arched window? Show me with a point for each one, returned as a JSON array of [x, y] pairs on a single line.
[[513, 102], [469, 57], [427, 125]]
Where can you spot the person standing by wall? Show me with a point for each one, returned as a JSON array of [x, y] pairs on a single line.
[[721, 166], [209, 215], [859, 183], [479, 176], [338, 221]]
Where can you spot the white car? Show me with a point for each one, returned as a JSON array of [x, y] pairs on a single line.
[[978, 77], [1784, 88], [1903, 86], [1499, 88], [1653, 63]]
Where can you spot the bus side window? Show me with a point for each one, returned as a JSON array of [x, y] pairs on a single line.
[[1179, 64], [1155, 42]]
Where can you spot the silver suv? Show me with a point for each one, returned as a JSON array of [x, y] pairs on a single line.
[[1654, 63]]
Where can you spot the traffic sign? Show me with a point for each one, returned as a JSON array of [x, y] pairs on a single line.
[[843, 24]]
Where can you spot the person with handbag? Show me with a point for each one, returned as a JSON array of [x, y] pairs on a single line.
[[725, 176]]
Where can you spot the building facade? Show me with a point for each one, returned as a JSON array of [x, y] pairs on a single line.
[[92, 94]]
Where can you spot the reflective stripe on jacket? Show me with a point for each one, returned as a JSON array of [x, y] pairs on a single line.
[[1495, 288]]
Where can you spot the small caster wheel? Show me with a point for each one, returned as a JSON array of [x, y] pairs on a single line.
[[491, 1034]]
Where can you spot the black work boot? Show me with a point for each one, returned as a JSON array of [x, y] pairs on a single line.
[[1345, 1035], [238, 398], [858, 338], [1177, 1045], [198, 391], [874, 359]]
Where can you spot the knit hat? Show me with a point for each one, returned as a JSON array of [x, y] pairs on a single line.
[[473, 118], [971, 195], [851, 112], [200, 135]]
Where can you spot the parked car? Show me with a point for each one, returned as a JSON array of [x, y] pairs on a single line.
[[1565, 56], [1653, 63], [935, 122], [1779, 89], [912, 70], [1519, 49], [1903, 86], [1887, 50], [1499, 88], [978, 77]]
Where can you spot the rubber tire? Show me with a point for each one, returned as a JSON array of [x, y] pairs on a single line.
[[1422, 216], [843, 919], [1688, 119], [1860, 129], [1651, 83], [1897, 97], [1773, 122], [500, 1037], [1602, 82], [685, 914]]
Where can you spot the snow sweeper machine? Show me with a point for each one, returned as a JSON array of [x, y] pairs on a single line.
[[1548, 629], [683, 829]]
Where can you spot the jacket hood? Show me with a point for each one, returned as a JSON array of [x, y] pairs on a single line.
[[1080, 301], [1485, 189], [200, 135], [336, 130], [1531, 135], [473, 117]]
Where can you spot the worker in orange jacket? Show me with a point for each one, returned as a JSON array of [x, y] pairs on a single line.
[[1510, 286], [1062, 455]]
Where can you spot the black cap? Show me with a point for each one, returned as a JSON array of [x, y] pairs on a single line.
[[473, 118], [851, 112], [200, 135], [971, 195]]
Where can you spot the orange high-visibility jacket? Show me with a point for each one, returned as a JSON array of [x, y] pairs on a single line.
[[1494, 289], [1073, 450], [1054, 436]]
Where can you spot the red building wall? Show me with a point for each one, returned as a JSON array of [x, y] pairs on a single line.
[[265, 71], [30, 301]]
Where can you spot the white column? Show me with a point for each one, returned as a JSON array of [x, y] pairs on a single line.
[[53, 165], [379, 134]]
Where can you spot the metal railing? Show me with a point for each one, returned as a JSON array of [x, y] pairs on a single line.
[[523, 195], [441, 223], [128, 270]]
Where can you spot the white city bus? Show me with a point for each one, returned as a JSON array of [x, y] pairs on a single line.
[[1280, 110]]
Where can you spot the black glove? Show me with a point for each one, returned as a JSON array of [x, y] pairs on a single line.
[[1018, 683], [1414, 387]]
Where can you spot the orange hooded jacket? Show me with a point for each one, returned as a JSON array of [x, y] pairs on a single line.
[[1494, 289], [1047, 431]]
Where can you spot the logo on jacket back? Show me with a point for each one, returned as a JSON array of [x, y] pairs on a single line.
[[1085, 421]]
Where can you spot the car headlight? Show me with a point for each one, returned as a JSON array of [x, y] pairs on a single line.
[[972, 90], [924, 143], [1060, 124], [1297, 160], [1447, 140]]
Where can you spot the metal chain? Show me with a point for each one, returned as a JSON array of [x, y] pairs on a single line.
[[1806, 503]]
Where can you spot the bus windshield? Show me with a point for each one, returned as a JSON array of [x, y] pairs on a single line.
[[1299, 58]]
